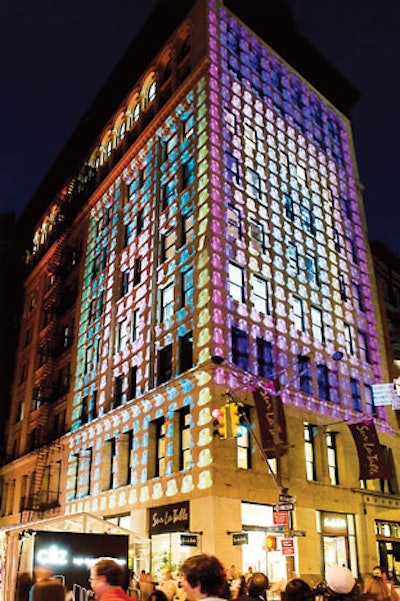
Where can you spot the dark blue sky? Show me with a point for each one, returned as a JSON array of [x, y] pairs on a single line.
[[57, 54]]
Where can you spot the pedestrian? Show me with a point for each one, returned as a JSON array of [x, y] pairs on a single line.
[[158, 595], [168, 586], [383, 573], [46, 587], [340, 584], [297, 590], [106, 580], [24, 584], [146, 585], [375, 589], [257, 586], [204, 577]]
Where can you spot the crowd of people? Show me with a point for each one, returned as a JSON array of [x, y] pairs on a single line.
[[204, 578]]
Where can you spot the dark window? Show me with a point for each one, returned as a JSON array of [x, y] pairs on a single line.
[[323, 382], [240, 348], [185, 352], [137, 273], [124, 283], [355, 394], [265, 359], [133, 382], [289, 207], [165, 364], [118, 390], [305, 374], [184, 439], [188, 173]]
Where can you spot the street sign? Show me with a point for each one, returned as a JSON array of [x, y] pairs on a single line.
[[296, 533], [283, 507], [286, 499], [287, 546], [280, 518], [274, 529]]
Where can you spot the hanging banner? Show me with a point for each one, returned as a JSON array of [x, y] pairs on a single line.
[[371, 456], [271, 418]]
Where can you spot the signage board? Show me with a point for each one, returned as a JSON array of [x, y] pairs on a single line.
[[240, 538], [296, 533], [287, 546], [188, 540], [169, 518], [283, 507], [274, 529], [286, 499], [280, 518], [383, 394]]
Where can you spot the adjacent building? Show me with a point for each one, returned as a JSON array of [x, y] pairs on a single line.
[[199, 251]]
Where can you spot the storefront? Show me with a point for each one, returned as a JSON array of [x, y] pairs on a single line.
[[171, 539], [388, 540], [338, 536]]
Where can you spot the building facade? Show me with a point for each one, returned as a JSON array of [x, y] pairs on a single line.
[[211, 241]]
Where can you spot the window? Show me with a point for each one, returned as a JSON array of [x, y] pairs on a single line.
[[230, 120], [139, 222], [188, 173], [311, 265], [160, 464], [169, 192], [254, 182], [293, 258], [167, 302], [307, 219], [261, 295], [250, 136], [331, 450], [164, 364], [185, 352], [151, 93], [265, 359], [234, 227], [240, 348], [109, 464], [124, 283], [317, 324], [305, 374], [186, 229], [170, 147], [135, 325], [355, 394], [336, 240], [298, 313], [128, 233], [188, 126], [348, 339], [289, 207], [186, 287], [137, 272], [136, 112], [323, 382], [185, 456], [236, 282], [122, 335], [243, 442], [232, 166], [257, 234], [132, 380], [357, 296], [168, 244], [363, 347], [310, 432], [118, 391], [84, 473], [342, 287], [351, 249], [369, 400], [301, 175]]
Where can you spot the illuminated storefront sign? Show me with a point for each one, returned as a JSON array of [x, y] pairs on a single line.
[[169, 518]]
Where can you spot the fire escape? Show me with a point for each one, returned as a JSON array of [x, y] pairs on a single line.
[[55, 339]]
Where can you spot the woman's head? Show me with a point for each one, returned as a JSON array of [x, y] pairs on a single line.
[[297, 590]]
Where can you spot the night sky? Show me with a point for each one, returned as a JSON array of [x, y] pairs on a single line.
[[56, 54]]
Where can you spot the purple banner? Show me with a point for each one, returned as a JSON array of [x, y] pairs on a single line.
[[271, 419], [371, 455]]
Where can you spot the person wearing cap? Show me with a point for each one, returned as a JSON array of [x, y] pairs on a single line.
[[340, 582]]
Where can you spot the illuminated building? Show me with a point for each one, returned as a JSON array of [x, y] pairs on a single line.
[[211, 238]]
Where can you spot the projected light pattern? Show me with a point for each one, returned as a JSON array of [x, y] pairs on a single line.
[[240, 211]]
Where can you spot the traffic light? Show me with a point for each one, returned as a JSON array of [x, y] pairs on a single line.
[[219, 422], [234, 419]]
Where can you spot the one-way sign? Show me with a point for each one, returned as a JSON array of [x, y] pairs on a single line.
[[286, 499], [283, 507]]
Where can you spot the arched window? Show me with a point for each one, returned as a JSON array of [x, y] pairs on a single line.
[[136, 112], [122, 130], [151, 92]]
